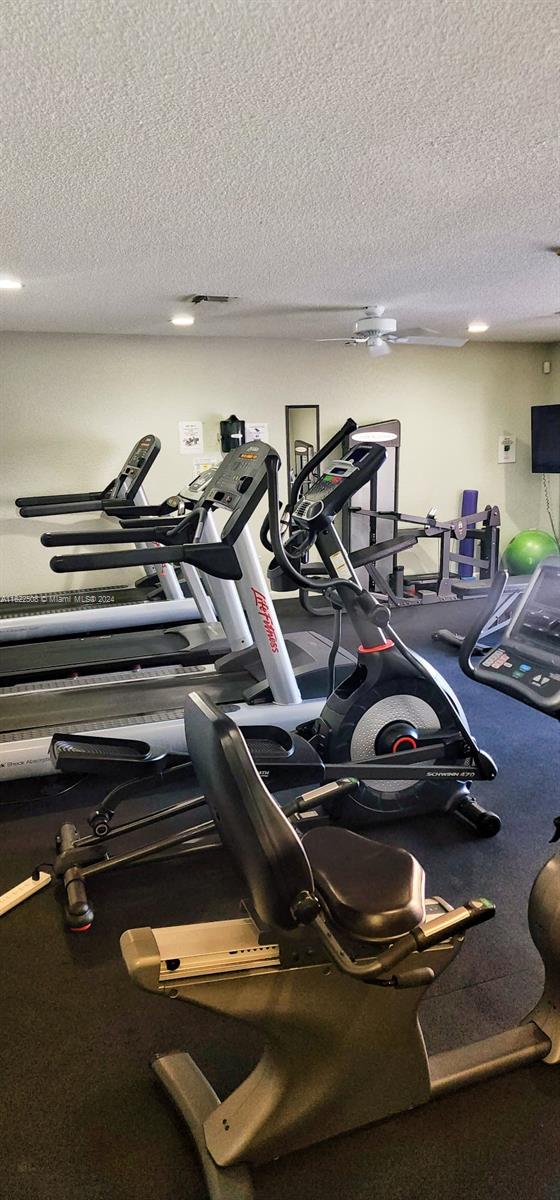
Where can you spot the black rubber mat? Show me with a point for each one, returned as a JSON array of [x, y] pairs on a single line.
[[81, 1115]]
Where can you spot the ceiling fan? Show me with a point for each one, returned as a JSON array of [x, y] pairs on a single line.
[[379, 333]]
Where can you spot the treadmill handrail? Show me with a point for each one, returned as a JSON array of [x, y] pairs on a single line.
[[60, 498], [108, 537], [55, 510], [131, 512], [217, 559], [132, 473]]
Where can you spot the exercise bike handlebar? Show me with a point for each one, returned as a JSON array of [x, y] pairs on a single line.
[[451, 924]]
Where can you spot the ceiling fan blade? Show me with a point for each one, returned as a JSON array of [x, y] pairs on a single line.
[[351, 341], [429, 341], [420, 331]]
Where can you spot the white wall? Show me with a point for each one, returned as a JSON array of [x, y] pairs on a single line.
[[72, 405]]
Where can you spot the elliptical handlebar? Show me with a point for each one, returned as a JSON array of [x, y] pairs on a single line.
[[323, 452], [277, 545]]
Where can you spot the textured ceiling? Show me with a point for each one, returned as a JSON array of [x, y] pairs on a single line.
[[287, 152]]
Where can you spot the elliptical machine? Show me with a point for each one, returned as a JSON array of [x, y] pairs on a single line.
[[394, 703]]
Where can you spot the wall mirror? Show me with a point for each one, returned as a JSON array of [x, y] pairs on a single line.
[[302, 437]]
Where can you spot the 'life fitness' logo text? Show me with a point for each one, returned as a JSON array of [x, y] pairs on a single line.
[[267, 621]]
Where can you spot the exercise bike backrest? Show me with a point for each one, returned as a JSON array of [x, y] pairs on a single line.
[[525, 664], [263, 844]]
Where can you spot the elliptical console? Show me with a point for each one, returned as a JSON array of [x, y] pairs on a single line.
[[526, 663]]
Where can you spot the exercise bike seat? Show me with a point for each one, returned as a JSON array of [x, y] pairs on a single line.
[[373, 892], [370, 891]]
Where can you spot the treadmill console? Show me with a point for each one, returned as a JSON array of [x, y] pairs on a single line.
[[133, 473], [327, 496], [526, 664], [237, 485], [193, 492]]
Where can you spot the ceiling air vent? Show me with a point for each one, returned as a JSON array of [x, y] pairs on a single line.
[[200, 298]]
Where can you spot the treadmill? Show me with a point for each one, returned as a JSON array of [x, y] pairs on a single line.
[[138, 648], [188, 599], [125, 489], [57, 614], [277, 681]]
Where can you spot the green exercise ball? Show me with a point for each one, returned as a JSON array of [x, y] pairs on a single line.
[[527, 549]]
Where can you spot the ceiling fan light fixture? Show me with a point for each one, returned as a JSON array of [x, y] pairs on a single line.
[[377, 347], [477, 327], [9, 284]]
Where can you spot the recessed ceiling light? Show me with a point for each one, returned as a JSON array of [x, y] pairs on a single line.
[[182, 320], [478, 326], [10, 285]]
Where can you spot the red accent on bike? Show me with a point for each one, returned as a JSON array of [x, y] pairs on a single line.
[[400, 741]]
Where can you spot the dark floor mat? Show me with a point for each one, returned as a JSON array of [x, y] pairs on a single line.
[[80, 1112]]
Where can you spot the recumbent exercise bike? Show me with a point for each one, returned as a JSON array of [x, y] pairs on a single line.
[[338, 936]]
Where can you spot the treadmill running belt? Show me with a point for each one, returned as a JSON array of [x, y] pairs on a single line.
[[118, 650], [101, 698]]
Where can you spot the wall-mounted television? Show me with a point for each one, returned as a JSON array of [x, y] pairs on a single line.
[[545, 438]]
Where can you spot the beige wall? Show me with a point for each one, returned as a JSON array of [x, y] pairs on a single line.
[[551, 395], [72, 405]]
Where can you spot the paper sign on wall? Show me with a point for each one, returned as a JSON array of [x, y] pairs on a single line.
[[506, 448], [190, 437], [206, 464], [256, 431]]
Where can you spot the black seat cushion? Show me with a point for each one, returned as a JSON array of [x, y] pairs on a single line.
[[372, 891]]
